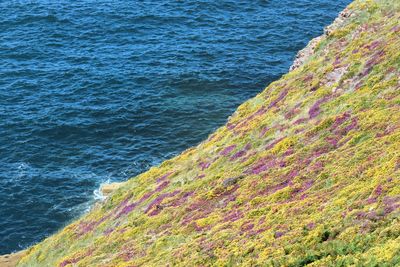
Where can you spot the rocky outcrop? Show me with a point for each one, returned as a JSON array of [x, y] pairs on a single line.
[[107, 189], [304, 54], [11, 260]]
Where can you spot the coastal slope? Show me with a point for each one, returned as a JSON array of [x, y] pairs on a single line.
[[305, 173]]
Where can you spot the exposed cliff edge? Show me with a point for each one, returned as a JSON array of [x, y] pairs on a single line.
[[305, 173]]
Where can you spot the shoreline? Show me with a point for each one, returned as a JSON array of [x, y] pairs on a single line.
[[12, 259]]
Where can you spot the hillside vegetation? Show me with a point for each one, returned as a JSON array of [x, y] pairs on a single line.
[[305, 173]]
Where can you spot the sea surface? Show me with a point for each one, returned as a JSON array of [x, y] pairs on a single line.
[[99, 91]]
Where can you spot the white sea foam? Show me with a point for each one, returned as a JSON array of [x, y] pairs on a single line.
[[98, 194]]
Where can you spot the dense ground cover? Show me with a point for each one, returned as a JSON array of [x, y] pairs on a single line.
[[306, 172]]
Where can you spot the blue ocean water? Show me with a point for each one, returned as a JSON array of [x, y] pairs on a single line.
[[97, 91]]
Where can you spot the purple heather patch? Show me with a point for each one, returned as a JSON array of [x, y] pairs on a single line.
[[339, 120], [293, 111], [233, 215], [315, 109], [388, 130], [179, 201], [212, 137], [318, 166], [319, 151], [260, 111], [288, 152], [241, 153], [300, 121], [310, 226], [245, 121], [264, 131], [281, 96], [375, 59], [157, 201], [259, 168], [395, 28], [164, 177], [308, 77], [108, 231], [304, 187], [303, 196], [371, 215], [230, 126], [75, 260], [127, 209], [351, 126], [246, 227], [85, 227], [371, 200], [279, 234], [292, 174], [248, 156], [372, 46], [123, 202], [227, 150], [196, 227], [204, 165], [337, 61], [263, 165], [378, 190], [275, 188], [275, 142], [237, 155], [203, 207], [333, 140], [391, 203]]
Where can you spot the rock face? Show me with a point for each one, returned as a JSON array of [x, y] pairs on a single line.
[[304, 54], [11, 260], [107, 189], [306, 172]]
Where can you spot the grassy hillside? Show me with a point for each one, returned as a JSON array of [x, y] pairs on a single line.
[[306, 172]]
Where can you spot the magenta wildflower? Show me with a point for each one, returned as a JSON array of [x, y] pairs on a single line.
[[77, 259], [127, 209], [164, 177], [378, 190], [241, 153], [300, 121], [204, 165], [315, 109], [281, 96], [278, 234], [310, 226], [108, 231], [155, 206], [233, 215], [246, 227], [180, 200], [227, 150], [339, 120], [264, 131]]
